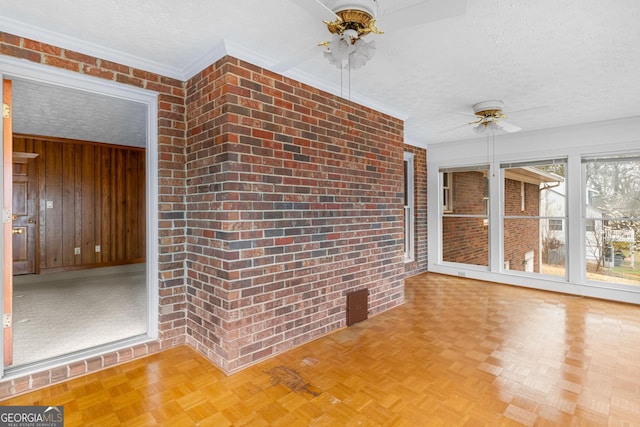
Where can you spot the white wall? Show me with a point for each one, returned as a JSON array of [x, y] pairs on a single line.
[[617, 136]]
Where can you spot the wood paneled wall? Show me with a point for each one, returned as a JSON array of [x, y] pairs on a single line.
[[90, 195]]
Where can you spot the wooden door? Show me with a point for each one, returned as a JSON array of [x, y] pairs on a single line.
[[24, 213], [7, 180]]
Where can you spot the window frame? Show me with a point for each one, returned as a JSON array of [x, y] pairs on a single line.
[[447, 192], [541, 217], [449, 172], [603, 220], [409, 207]]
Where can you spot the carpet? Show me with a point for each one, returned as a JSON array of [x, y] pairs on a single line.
[[56, 314]]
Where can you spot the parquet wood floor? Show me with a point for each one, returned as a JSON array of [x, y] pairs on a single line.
[[458, 353]]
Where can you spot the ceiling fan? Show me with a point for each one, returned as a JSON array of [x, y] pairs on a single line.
[[350, 21], [490, 117]]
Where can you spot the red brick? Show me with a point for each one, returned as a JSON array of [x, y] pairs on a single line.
[[41, 47], [79, 57], [9, 39], [61, 63], [11, 50], [77, 368]]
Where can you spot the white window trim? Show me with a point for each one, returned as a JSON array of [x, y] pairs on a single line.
[[409, 216], [573, 143], [447, 201]]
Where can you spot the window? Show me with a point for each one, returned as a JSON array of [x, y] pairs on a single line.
[[555, 225], [465, 215], [612, 218], [534, 216], [409, 244], [447, 181]]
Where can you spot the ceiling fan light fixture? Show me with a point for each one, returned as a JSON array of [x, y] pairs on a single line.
[[356, 19], [343, 53], [487, 128]]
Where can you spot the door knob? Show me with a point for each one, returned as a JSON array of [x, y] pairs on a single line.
[[17, 231], [31, 221], [14, 217]]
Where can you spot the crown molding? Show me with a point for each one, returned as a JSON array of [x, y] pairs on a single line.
[[338, 91], [56, 39], [205, 60], [241, 52], [227, 47]]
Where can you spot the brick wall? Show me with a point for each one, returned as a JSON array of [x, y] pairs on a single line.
[[466, 240], [284, 199], [521, 235], [294, 198], [171, 190], [419, 265]]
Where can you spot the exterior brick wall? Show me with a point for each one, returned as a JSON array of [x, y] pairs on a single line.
[[294, 199], [521, 235], [171, 206], [466, 240], [419, 265]]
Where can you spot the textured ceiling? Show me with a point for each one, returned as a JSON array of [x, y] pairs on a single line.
[[578, 58], [41, 109]]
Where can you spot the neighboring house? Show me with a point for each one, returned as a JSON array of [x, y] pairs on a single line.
[[553, 203]]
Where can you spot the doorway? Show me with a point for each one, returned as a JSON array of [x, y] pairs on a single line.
[[86, 215], [106, 96], [528, 261]]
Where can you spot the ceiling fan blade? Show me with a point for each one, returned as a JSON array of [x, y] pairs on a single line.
[[422, 13], [318, 9], [508, 127], [526, 110], [455, 128], [295, 59]]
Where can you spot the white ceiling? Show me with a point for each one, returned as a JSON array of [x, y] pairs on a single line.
[[579, 58], [47, 110]]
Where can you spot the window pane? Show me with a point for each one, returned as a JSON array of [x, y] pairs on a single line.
[[406, 185], [526, 250], [535, 190], [465, 240], [612, 217], [465, 220], [521, 244], [553, 250], [468, 192], [613, 187], [535, 222], [610, 252]]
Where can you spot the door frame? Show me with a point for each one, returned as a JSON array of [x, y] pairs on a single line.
[[16, 69], [7, 224]]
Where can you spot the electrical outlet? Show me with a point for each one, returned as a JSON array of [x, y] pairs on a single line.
[[97, 248], [49, 204], [76, 251]]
